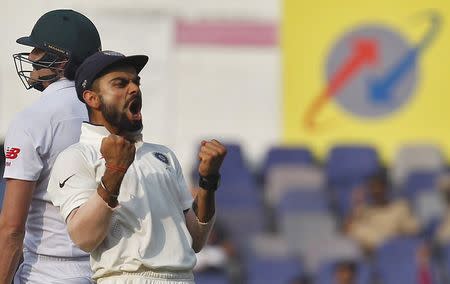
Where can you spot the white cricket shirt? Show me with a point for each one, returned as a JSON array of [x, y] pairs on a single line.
[[33, 141], [148, 228]]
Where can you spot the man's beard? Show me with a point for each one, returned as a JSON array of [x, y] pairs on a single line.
[[119, 119]]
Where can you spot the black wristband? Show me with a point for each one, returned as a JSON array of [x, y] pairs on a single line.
[[209, 182]]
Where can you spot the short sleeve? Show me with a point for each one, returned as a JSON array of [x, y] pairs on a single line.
[[184, 194], [72, 181], [22, 158]]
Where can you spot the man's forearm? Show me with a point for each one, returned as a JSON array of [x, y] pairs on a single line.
[[89, 224], [204, 205], [16, 203], [200, 218], [11, 244]]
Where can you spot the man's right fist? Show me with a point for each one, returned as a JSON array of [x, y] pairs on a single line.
[[117, 151]]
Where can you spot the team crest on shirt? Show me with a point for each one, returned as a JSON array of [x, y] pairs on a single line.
[[160, 156]]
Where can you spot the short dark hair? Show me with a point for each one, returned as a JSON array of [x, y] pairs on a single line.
[[71, 69], [381, 177], [94, 88]]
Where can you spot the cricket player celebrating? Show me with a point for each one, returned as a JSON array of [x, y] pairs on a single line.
[[124, 200], [61, 40]]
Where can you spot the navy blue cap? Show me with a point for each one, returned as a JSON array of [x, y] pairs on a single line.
[[94, 65]]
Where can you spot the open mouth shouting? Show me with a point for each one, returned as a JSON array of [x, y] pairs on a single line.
[[134, 108]]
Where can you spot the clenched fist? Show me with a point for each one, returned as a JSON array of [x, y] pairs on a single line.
[[117, 151], [211, 157]]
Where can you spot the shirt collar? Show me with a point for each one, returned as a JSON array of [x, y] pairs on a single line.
[[62, 83], [93, 134]]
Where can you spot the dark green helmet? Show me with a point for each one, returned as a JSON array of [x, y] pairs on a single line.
[[64, 34]]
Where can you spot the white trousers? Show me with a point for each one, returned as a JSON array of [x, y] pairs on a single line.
[[38, 269]]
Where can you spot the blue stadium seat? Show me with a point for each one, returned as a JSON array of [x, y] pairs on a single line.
[[349, 164], [234, 169], [242, 223], [446, 254], [234, 155], [396, 261], [275, 269], [306, 201], [286, 156], [283, 178], [305, 230], [419, 182], [314, 237], [326, 271], [414, 157], [429, 208], [238, 196], [211, 277], [341, 196], [240, 208]]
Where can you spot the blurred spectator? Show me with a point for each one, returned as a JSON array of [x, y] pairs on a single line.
[[443, 231], [345, 272], [378, 218]]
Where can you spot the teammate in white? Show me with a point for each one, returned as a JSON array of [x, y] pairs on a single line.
[[29, 223], [124, 200]]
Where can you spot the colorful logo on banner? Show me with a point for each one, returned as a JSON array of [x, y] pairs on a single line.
[[371, 72]]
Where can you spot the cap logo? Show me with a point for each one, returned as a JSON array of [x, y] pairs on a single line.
[[84, 84], [56, 49], [112, 53]]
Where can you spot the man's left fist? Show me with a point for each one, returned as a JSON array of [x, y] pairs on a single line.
[[211, 157]]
